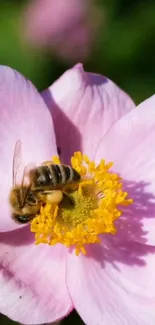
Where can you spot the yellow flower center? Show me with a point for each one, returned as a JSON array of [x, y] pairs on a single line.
[[89, 209]]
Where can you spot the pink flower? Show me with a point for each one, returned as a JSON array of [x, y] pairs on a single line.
[[67, 27], [114, 283]]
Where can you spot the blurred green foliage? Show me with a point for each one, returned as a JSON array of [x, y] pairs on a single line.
[[124, 51]]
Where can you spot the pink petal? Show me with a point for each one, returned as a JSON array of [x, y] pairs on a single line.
[[84, 106], [32, 279], [24, 116], [130, 144], [114, 284]]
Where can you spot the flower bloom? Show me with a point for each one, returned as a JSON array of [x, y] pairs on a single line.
[[88, 210], [67, 27], [113, 266]]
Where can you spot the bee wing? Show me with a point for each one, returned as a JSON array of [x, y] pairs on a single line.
[[17, 169], [27, 174], [20, 172]]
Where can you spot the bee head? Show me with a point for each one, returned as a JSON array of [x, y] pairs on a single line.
[[23, 218], [15, 198]]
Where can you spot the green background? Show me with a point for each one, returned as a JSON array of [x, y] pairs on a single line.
[[124, 51]]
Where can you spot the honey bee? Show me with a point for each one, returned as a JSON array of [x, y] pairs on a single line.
[[46, 183]]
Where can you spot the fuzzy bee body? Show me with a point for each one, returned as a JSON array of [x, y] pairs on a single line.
[[54, 176], [47, 183]]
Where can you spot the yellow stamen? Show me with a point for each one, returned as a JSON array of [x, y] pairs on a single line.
[[56, 160], [96, 202]]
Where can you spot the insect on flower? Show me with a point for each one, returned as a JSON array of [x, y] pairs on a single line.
[[87, 251], [79, 202], [47, 183]]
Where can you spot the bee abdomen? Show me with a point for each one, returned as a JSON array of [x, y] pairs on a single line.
[[69, 174], [43, 177], [53, 175]]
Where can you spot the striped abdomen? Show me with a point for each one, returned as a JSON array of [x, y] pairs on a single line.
[[55, 175]]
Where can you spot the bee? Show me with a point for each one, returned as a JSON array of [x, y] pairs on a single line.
[[46, 183], [53, 176], [24, 202], [54, 181]]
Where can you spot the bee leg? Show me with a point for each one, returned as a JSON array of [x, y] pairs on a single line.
[[67, 196]]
